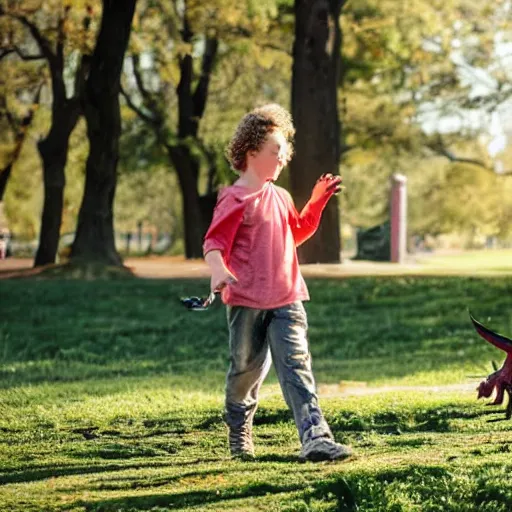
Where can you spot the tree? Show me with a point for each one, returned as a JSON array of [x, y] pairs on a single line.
[[181, 144], [170, 92], [436, 61], [53, 148], [316, 66], [402, 73], [94, 240], [18, 126]]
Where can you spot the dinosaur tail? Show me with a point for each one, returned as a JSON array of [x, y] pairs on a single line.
[[492, 337]]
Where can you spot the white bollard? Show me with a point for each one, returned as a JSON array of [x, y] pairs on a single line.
[[398, 218]]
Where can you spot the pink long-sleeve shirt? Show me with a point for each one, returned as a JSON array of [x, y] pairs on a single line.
[[258, 234]]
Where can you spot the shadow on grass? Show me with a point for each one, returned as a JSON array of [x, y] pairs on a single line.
[[416, 485], [483, 487], [135, 482], [337, 492], [277, 458], [468, 488], [35, 474], [435, 419], [272, 416], [82, 330], [182, 500]]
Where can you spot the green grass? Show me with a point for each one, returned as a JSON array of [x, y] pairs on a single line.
[[111, 400], [483, 261]]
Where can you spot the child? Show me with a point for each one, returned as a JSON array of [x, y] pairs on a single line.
[[250, 248]]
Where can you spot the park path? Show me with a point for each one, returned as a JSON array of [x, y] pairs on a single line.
[[361, 389], [179, 267], [355, 389], [168, 267]]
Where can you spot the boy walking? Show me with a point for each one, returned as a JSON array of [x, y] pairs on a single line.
[[250, 248]]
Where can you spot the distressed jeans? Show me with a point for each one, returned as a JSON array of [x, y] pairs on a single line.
[[256, 338]]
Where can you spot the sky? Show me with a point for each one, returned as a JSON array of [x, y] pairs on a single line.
[[495, 126]]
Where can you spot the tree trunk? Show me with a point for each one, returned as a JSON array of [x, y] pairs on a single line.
[[192, 92], [316, 63], [197, 210], [187, 167], [54, 151], [54, 181], [95, 241], [191, 106], [5, 174]]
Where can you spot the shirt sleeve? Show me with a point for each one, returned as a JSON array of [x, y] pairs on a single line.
[[305, 223], [227, 217]]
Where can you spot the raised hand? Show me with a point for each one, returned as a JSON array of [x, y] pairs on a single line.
[[325, 187]]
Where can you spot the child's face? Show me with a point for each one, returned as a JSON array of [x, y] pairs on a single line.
[[269, 161]]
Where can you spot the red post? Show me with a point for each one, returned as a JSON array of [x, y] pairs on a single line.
[[398, 218]]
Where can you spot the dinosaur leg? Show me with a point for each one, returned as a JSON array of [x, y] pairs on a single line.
[[500, 392], [508, 412]]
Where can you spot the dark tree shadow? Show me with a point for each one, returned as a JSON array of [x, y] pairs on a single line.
[[337, 490], [183, 500], [35, 474]]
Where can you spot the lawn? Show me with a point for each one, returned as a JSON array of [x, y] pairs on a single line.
[[111, 400], [482, 261]]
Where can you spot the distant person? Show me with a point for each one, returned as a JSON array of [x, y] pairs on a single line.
[[250, 248]]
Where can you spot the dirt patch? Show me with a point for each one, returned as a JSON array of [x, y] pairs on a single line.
[[19, 269], [173, 267]]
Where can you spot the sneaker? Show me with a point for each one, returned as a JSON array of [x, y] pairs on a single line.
[[240, 442], [323, 448]]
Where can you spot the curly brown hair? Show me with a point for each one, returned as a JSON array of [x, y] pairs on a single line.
[[252, 132]]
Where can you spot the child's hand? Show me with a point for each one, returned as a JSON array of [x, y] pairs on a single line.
[[221, 276], [221, 279], [325, 187]]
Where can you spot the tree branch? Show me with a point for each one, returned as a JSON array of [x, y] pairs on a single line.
[[142, 115], [23, 56], [42, 42], [20, 132], [10, 118], [146, 95], [201, 93], [26, 122], [438, 147], [148, 99], [60, 34], [6, 52], [212, 166], [20, 54], [187, 125]]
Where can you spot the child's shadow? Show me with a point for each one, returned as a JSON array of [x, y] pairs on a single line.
[[277, 458]]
